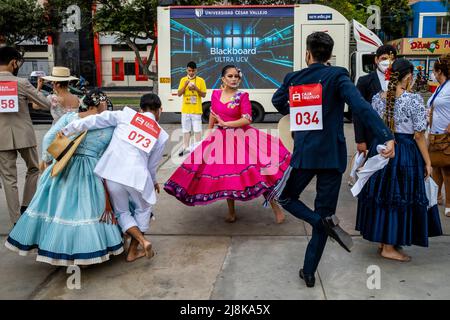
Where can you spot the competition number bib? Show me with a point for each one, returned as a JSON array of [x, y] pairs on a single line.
[[9, 98], [306, 107], [142, 132], [193, 99]]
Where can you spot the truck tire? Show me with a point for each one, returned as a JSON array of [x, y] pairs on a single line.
[[206, 106], [258, 112]]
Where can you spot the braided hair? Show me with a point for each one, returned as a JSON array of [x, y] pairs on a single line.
[[400, 69]]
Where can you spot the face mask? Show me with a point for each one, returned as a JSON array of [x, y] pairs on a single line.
[[433, 77], [383, 65]]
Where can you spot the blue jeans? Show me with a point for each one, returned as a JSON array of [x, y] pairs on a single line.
[[327, 193]]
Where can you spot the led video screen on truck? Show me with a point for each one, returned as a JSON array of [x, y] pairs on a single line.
[[258, 40]]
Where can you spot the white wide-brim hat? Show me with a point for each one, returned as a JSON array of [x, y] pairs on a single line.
[[60, 74]]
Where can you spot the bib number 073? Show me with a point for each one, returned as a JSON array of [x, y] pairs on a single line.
[[138, 138]]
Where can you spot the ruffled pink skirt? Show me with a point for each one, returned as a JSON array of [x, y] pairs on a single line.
[[239, 164]]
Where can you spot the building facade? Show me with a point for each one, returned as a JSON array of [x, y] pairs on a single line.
[[429, 19]]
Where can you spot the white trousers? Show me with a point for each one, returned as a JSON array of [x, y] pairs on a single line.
[[120, 199], [191, 122]]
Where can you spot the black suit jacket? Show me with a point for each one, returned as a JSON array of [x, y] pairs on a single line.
[[368, 85], [326, 148]]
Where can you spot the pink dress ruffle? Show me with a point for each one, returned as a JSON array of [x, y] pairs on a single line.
[[232, 163]]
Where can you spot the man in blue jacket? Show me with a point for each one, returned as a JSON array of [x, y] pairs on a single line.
[[315, 98]]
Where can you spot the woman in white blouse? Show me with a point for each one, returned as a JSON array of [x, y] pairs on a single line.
[[393, 206], [439, 103]]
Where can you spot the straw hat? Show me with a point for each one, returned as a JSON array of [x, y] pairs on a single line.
[[62, 149], [60, 74], [285, 133]]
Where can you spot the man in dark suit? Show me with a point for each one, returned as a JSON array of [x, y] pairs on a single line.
[[369, 85], [322, 152]]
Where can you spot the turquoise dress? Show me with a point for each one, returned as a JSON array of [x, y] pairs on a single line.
[[62, 221]]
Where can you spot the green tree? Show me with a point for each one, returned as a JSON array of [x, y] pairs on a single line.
[[352, 9], [395, 15], [133, 20], [22, 20]]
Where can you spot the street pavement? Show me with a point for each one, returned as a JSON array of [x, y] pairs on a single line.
[[199, 256]]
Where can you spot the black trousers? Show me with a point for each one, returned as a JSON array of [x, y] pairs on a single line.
[[327, 189]]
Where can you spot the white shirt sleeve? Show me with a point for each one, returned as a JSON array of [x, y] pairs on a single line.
[[98, 121], [156, 155]]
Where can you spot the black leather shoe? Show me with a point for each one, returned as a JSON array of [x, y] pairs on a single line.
[[310, 280], [333, 230], [181, 153]]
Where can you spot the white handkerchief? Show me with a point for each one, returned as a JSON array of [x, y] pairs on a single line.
[[371, 166], [357, 162], [431, 189]]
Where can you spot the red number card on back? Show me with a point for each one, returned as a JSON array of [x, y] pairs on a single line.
[[142, 132], [306, 107], [9, 98]]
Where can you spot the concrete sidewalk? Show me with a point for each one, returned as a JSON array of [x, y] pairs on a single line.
[[199, 256]]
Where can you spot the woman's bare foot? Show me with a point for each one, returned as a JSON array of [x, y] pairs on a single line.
[[279, 214], [230, 218], [389, 252], [231, 211]]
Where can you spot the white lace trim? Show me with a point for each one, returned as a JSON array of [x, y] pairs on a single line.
[[47, 218], [62, 262]]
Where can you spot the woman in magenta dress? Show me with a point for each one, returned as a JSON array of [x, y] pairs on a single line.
[[236, 161]]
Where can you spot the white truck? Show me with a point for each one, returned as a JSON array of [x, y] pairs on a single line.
[[265, 42]]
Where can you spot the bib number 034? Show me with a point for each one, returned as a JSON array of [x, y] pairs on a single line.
[[305, 103]]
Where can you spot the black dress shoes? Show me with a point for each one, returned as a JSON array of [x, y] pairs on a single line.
[[310, 280], [333, 230]]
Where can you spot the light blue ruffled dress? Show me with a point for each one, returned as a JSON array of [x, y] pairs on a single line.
[[62, 221]]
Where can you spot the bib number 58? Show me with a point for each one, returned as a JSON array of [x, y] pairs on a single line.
[[7, 103], [139, 138]]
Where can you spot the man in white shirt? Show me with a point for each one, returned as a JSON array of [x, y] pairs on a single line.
[[129, 165]]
